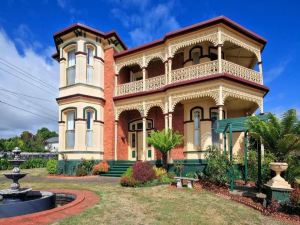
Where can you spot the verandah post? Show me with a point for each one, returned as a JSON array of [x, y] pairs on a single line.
[[231, 158], [259, 182], [246, 156]]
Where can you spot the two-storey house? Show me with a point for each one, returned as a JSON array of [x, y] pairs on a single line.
[[111, 98]]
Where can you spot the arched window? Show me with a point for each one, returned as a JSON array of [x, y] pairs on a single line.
[[195, 54], [137, 125], [214, 116], [90, 62], [89, 128], [196, 116], [71, 67], [70, 129]]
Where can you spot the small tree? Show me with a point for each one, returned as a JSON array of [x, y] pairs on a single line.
[[280, 136], [164, 141]]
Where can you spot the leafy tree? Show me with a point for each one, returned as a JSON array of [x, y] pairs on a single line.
[[28, 141], [44, 133], [164, 141], [279, 136]]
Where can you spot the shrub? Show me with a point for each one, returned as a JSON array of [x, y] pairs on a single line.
[[128, 172], [159, 171], [293, 170], [81, 171], [52, 166], [4, 164], [34, 163], [84, 167], [100, 168], [143, 172], [295, 197], [127, 181], [265, 167], [217, 167]]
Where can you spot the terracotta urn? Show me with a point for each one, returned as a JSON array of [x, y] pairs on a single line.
[[278, 181]]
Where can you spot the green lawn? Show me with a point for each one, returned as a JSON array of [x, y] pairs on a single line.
[[152, 205]]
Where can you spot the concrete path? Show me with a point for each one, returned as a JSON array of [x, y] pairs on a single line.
[[90, 179]]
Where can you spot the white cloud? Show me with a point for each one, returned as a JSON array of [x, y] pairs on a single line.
[[14, 121], [148, 22], [276, 71]]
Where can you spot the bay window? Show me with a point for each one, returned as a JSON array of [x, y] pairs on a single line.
[[70, 132], [71, 67], [90, 61], [89, 128]]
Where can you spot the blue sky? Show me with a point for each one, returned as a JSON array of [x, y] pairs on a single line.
[[26, 29]]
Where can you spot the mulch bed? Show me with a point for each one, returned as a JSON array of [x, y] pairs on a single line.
[[272, 210]]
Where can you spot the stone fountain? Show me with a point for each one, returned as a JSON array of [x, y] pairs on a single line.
[[15, 200], [15, 176]]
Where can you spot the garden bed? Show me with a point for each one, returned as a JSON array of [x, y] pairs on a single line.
[[274, 209]]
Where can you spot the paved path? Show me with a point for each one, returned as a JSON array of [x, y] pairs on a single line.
[[90, 179]]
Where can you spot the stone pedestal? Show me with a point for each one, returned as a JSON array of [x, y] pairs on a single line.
[[278, 188]]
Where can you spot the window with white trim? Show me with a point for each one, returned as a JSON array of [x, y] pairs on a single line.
[[70, 129], [90, 61], [89, 128], [71, 67], [197, 133]]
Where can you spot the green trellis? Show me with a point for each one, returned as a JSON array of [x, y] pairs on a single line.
[[227, 127]]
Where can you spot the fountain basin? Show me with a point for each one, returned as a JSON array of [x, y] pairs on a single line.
[[33, 201]]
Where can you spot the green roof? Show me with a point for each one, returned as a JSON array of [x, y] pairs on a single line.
[[238, 124]]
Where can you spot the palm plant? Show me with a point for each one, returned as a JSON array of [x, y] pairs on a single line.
[[279, 136], [164, 141]]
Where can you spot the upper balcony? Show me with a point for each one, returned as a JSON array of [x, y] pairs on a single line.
[[190, 63]]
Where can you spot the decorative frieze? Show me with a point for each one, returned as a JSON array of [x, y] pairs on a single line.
[[244, 44], [230, 92], [209, 92], [210, 36], [127, 107]]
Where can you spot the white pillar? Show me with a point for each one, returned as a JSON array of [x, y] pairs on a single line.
[[166, 121], [144, 79], [170, 70], [144, 139], [260, 70], [170, 120], [219, 58], [116, 140], [166, 72], [220, 109]]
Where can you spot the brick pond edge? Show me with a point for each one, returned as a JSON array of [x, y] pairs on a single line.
[[84, 199]]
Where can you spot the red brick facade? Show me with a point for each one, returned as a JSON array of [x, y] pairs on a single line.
[[178, 125], [109, 84]]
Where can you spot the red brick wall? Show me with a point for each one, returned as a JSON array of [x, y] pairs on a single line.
[[156, 114], [155, 68], [124, 76], [124, 119], [178, 61], [177, 124], [109, 82]]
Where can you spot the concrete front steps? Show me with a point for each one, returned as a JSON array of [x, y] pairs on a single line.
[[118, 168]]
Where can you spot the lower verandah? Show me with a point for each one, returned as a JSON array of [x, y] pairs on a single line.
[[194, 119]]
